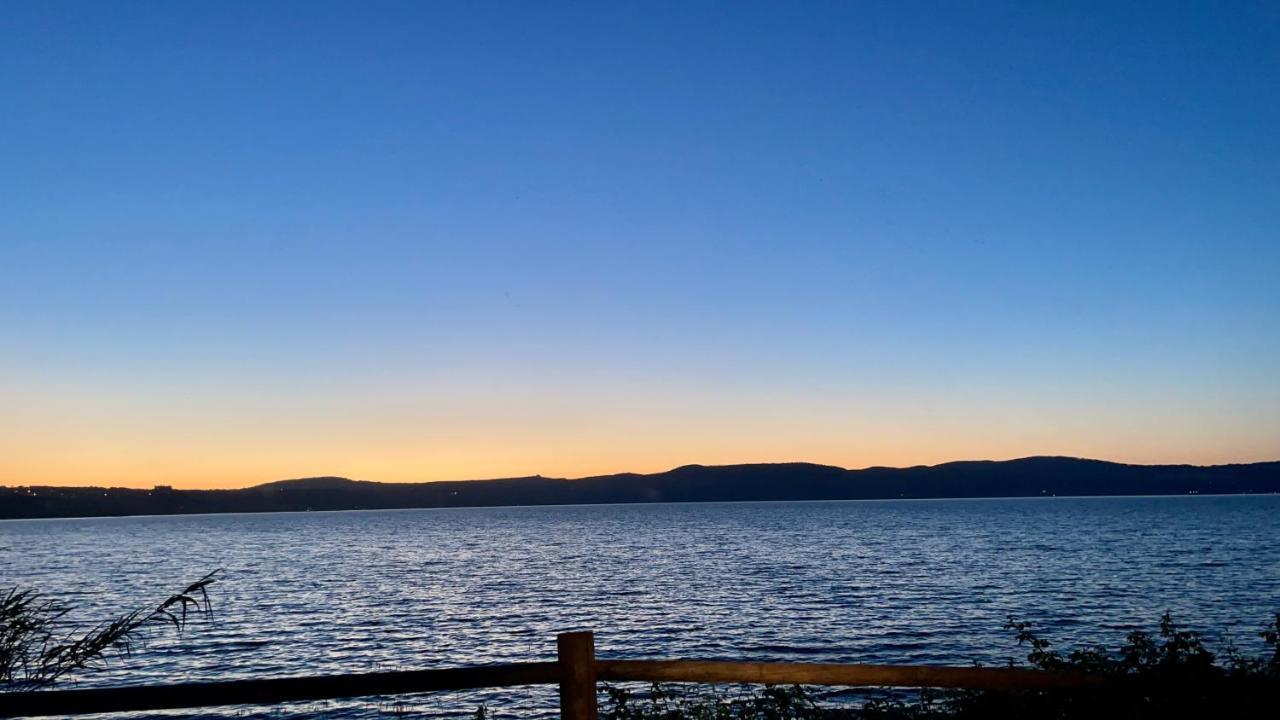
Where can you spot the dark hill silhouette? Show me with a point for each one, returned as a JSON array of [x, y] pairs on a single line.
[[1027, 477], [326, 482]]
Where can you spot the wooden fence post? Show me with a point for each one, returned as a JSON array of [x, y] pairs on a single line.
[[577, 654]]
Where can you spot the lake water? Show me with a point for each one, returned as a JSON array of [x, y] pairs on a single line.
[[876, 582]]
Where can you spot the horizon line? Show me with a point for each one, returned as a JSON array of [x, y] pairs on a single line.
[[659, 472]]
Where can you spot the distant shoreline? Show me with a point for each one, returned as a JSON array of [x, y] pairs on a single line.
[[647, 504], [1025, 478]]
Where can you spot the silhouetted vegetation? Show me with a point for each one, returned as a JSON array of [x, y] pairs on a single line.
[[1168, 674], [39, 646]]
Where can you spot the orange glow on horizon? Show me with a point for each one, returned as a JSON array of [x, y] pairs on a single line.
[[230, 473], [218, 438]]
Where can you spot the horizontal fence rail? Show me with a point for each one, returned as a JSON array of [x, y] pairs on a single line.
[[973, 678], [576, 671], [272, 691]]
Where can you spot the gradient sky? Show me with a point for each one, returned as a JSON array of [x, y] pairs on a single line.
[[416, 241]]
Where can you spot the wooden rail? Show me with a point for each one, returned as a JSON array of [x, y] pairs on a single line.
[[576, 671], [271, 691], [934, 676]]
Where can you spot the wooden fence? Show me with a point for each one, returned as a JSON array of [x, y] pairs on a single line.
[[576, 671]]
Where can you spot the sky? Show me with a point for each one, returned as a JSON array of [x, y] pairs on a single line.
[[424, 241]]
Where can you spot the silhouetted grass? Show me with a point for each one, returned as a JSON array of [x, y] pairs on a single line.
[[36, 652]]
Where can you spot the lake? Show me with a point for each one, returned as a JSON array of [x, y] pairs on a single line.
[[924, 581]]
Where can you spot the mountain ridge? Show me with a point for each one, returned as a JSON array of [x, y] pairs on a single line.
[[1035, 476]]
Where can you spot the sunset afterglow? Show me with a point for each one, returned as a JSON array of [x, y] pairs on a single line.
[[448, 243]]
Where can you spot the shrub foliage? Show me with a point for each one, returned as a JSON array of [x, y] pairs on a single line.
[[1166, 674]]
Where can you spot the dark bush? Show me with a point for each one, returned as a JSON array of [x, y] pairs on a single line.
[[1169, 674]]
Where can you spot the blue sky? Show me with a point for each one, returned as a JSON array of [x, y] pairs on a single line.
[[431, 240]]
